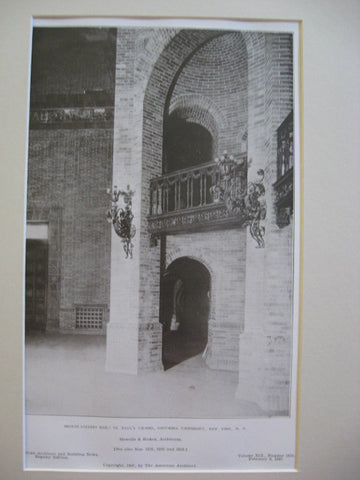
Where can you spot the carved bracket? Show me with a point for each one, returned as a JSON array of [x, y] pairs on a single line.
[[154, 239], [285, 166], [254, 208], [284, 199], [248, 204], [122, 218]]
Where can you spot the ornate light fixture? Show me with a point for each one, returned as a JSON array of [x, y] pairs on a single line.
[[122, 218], [239, 201]]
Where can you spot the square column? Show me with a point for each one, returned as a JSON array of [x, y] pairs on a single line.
[[122, 329], [266, 342]]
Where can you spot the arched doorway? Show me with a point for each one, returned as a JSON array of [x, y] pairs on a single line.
[[185, 305]]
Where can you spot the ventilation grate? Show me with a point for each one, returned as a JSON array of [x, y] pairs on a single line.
[[89, 317]]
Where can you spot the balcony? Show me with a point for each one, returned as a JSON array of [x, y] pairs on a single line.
[[285, 166], [182, 202]]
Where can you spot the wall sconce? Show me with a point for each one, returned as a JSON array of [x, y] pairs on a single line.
[[241, 201], [122, 218]]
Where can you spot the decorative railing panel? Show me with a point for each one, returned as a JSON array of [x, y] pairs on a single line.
[[285, 162], [183, 200], [285, 147]]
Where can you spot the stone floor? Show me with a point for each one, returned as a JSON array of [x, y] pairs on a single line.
[[65, 375]]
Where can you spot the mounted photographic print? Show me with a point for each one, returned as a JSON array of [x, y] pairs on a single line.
[[162, 246]]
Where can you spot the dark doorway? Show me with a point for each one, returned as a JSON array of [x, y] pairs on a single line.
[[186, 144], [185, 306], [36, 285]]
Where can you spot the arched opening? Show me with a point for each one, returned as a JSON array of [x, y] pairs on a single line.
[[206, 104], [186, 144], [185, 306], [204, 80]]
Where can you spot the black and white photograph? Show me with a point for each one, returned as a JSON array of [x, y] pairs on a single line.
[[179, 239], [162, 221]]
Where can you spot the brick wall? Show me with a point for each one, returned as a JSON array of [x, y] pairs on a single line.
[[171, 50], [217, 75], [68, 172], [223, 253], [70, 163], [239, 86], [250, 298], [266, 344]]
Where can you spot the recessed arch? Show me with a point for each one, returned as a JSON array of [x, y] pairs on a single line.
[[158, 103], [187, 142], [215, 79], [162, 81], [201, 109]]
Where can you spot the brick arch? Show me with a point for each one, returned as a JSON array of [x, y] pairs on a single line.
[[158, 91], [201, 110], [178, 254], [179, 48], [218, 71], [186, 306], [171, 256], [157, 99], [166, 69], [200, 106]]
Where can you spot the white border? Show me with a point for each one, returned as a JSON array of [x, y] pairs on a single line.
[[206, 24]]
